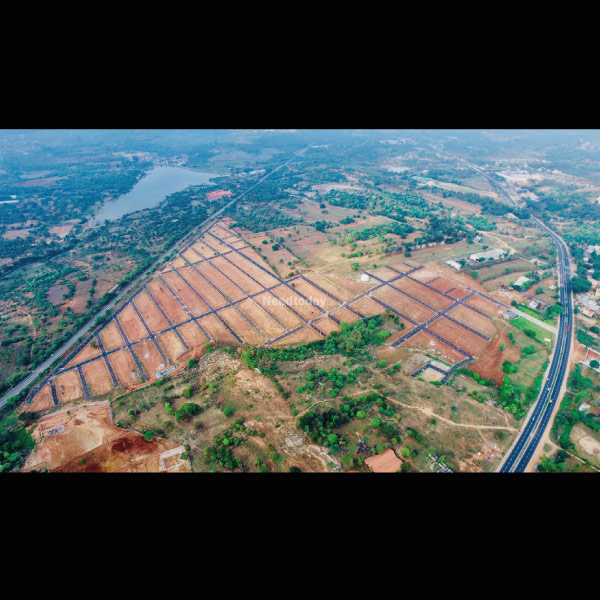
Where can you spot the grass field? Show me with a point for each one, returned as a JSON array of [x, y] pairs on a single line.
[[541, 334]]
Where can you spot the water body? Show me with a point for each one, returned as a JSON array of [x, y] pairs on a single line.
[[151, 190]]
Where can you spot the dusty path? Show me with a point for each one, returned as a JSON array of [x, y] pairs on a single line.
[[430, 413]]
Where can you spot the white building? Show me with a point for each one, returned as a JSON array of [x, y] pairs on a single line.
[[522, 280], [454, 264], [488, 254]]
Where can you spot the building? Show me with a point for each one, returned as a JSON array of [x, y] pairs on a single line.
[[454, 264], [584, 407], [487, 255], [364, 277], [386, 462], [521, 281], [537, 303]]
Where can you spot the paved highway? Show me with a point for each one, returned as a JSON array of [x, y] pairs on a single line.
[[522, 450], [25, 383]]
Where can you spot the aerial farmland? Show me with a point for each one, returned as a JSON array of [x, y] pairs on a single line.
[[329, 309]]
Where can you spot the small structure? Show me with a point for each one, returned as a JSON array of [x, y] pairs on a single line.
[[537, 303], [510, 314], [521, 281], [584, 407], [387, 462], [364, 277], [487, 255], [454, 264]]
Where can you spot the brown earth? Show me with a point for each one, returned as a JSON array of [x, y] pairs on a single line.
[[124, 367], [190, 299], [489, 366], [167, 301], [89, 442], [68, 386], [152, 315], [260, 317], [131, 324], [97, 377], [111, 337]]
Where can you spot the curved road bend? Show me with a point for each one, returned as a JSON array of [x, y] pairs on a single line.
[[123, 293], [523, 448]]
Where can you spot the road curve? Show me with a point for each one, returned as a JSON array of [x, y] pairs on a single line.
[[522, 450]]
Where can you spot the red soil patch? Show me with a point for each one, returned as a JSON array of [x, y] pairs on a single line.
[[441, 284], [190, 257], [171, 345], [41, 401], [225, 287], [217, 194], [368, 306], [278, 308], [193, 335], [86, 440], [151, 314], [326, 325], [461, 337], [403, 304], [345, 315], [474, 320], [61, 230], [202, 251], [111, 337], [486, 306], [167, 301], [149, 357], [13, 234], [317, 296], [386, 462], [125, 368], [68, 386], [420, 292], [241, 326], [250, 287], [260, 318], [305, 335], [241, 260], [98, 378], [211, 296], [192, 301], [296, 302], [56, 294], [85, 354], [459, 292], [489, 366], [427, 343], [216, 330], [132, 326]]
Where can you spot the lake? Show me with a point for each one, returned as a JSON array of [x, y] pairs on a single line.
[[151, 190]]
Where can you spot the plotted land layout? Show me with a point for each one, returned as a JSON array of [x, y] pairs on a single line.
[[219, 289]]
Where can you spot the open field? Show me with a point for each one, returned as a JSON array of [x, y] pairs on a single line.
[[211, 301], [84, 439]]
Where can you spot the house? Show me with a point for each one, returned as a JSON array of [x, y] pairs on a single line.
[[487, 255], [454, 264], [537, 303], [510, 314], [584, 407], [521, 281], [386, 462]]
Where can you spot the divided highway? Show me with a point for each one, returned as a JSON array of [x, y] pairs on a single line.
[[520, 454]]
